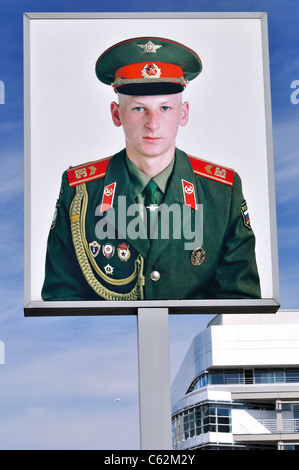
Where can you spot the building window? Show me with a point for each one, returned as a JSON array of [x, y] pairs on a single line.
[[200, 420], [246, 376], [292, 376]]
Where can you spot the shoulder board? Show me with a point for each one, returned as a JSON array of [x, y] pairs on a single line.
[[87, 172], [212, 171]]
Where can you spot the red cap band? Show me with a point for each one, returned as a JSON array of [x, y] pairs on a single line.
[[148, 71]]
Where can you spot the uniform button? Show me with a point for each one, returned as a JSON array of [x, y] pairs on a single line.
[[155, 276]]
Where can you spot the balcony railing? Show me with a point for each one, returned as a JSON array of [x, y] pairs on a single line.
[[265, 426], [258, 380], [290, 425]]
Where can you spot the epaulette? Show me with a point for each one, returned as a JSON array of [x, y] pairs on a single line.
[[87, 172], [212, 171]]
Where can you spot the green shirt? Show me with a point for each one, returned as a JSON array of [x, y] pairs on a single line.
[[139, 181]]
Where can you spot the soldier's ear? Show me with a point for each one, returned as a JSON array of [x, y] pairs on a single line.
[[185, 114], [114, 108]]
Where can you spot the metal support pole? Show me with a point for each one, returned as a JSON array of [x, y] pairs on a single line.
[[154, 379], [279, 422]]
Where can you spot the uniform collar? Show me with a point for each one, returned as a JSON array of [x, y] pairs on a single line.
[[118, 172], [139, 179]]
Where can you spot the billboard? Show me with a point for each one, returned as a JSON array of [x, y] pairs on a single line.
[[213, 244]]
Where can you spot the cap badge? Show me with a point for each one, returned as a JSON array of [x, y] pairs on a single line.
[[149, 47], [151, 70], [197, 256], [94, 248]]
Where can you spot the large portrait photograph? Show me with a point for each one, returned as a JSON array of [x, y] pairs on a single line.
[[149, 177]]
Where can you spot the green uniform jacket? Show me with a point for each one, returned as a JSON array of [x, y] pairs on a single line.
[[227, 268]]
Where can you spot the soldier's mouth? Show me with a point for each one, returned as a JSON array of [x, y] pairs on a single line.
[[152, 139]]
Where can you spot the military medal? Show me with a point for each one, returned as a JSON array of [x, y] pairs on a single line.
[[197, 256], [123, 251], [94, 248], [108, 269], [189, 194], [108, 250]]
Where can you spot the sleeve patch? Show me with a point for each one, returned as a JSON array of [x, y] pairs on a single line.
[[245, 215]]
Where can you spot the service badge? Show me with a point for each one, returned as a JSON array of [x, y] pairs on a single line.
[[123, 251], [197, 256]]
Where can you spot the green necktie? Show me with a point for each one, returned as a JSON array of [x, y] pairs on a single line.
[[151, 207], [149, 192]]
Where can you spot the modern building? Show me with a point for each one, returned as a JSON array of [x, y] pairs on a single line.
[[238, 385]]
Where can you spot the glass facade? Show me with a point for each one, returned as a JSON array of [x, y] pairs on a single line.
[[245, 376], [209, 417], [215, 417], [200, 419]]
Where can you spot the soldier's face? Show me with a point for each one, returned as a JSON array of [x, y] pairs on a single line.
[[150, 123]]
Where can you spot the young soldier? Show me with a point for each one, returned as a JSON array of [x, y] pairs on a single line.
[[201, 244]]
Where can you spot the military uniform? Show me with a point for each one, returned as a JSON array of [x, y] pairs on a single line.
[[80, 266], [98, 246]]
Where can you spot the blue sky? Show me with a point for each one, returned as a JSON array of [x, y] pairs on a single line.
[[61, 374]]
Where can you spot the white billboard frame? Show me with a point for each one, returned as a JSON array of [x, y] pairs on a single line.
[[34, 306]]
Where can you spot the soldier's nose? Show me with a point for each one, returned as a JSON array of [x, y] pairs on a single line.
[[153, 121]]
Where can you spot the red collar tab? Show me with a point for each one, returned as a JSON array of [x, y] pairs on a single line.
[[212, 171], [189, 194], [87, 172], [108, 196]]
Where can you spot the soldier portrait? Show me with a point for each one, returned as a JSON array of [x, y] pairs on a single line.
[[156, 215], [86, 262]]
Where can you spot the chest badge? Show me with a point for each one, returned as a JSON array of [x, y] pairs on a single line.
[[123, 251], [94, 248], [198, 256], [108, 250], [108, 269]]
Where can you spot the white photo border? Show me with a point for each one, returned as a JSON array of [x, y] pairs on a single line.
[[33, 306]]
